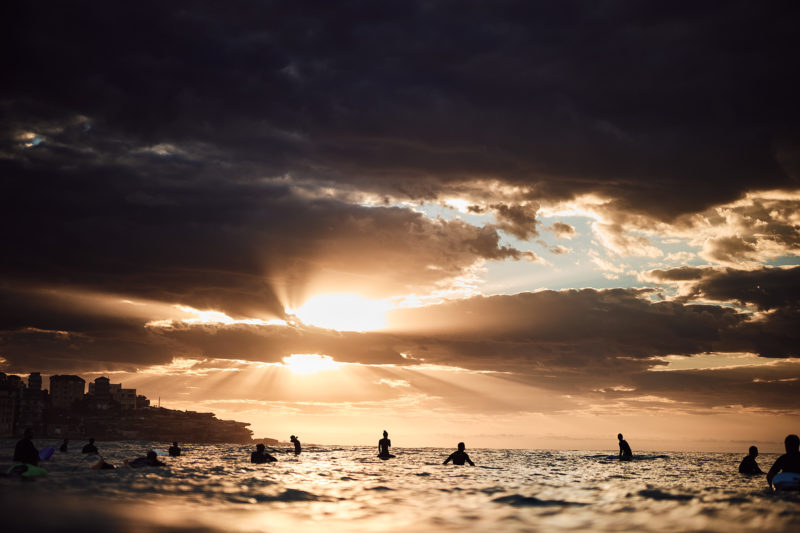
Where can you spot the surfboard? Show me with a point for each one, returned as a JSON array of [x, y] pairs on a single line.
[[786, 481], [161, 453], [46, 453], [384, 457], [26, 470]]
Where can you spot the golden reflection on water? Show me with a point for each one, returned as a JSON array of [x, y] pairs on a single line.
[[215, 488]]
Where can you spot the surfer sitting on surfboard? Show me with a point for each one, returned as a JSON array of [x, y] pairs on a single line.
[[789, 462], [383, 446], [459, 456], [174, 451], [297, 447], [25, 451], [749, 464], [625, 453], [90, 448], [260, 456]]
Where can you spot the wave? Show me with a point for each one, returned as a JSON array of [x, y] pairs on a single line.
[[518, 500]]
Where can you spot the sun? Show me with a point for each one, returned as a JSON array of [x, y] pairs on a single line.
[[344, 312], [309, 363]]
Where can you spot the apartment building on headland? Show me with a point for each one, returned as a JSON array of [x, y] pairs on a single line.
[[107, 411]]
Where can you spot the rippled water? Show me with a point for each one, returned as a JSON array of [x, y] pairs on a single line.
[[216, 488]]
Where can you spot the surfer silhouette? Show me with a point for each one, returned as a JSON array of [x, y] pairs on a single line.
[[90, 448], [788, 462], [174, 451], [25, 451], [260, 456], [383, 446], [63, 447], [151, 459], [459, 456], [296, 441], [625, 453], [748, 464]]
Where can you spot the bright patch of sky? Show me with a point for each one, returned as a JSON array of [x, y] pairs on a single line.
[[585, 263]]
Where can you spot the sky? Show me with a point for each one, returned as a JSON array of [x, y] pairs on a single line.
[[515, 224]]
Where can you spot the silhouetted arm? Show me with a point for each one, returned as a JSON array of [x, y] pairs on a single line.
[[774, 470], [449, 458], [466, 457]]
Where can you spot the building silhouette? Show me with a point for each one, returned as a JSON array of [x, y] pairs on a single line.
[[65, 390]]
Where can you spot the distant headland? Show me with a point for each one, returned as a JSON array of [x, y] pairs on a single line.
[[106, 412]]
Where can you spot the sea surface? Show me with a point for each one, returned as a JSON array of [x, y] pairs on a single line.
[[215, 488]]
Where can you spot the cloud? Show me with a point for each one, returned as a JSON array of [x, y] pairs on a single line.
[[506, 95], [562, 230]]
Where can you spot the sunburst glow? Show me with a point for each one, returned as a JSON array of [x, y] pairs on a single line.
[[344, 312], [309, 363]]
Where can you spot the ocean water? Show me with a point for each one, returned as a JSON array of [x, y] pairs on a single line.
[[215, 488]]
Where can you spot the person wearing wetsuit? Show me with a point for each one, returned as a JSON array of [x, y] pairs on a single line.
[[174, 451], [625, 453], [25, 451], [90, 448], [748, 464], [296, 441], [63, 447], [459, 456], [260, 456], [788, 462], [150, 460], [384, 444]]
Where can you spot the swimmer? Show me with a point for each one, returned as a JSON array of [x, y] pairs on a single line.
[[260, 456], [296, 441], [458, 457], [63, 447], [789, 462], [174, 451], [748, 464], [625, 453]]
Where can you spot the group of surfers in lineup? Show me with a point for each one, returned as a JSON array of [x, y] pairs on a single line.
[[25, 453]]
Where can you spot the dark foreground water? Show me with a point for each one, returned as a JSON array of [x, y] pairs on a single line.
[[215, 488]]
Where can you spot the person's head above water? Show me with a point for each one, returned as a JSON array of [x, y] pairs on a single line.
[[174, 443], [28, 433], [753, 451], [91, 441], [260, 447], [619, 436], [385, 433], [292, 438], [151, 455], [792, 443], [461, 446]]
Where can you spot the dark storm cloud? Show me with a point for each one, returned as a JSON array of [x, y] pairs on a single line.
[[634, 101], [221, 245], [764, 288], [773, 291]]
